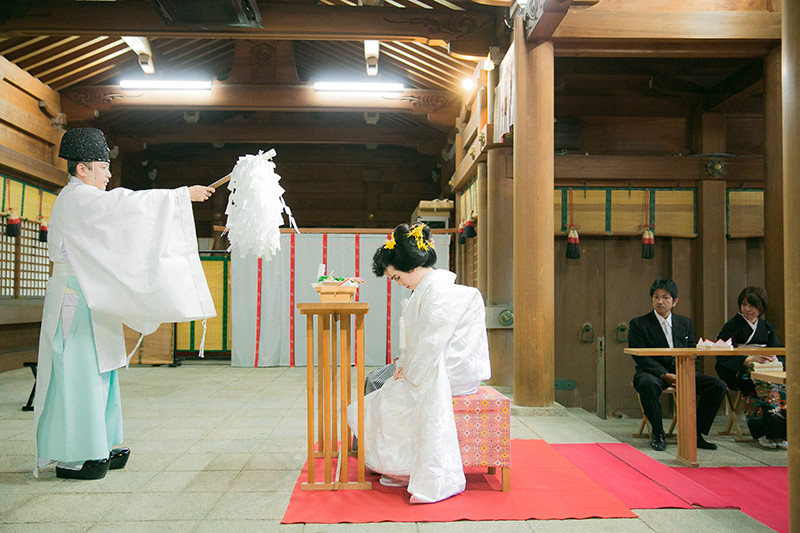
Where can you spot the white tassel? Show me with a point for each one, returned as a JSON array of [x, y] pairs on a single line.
[[256, 207], [203, 340], [130, 355]]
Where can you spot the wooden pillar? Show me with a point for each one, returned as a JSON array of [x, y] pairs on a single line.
[[499, 267], [712, 282], [459, 254], [534, 262], [773, 192], [791, 197], [712, 269], [480, 192]]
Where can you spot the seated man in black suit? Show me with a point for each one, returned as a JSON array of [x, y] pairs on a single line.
[[664, 329]]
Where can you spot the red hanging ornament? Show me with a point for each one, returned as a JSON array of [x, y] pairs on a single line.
[[461, 237], [573, 241], [573, 244], [13, 224], [469, 227], [648, 244], [42, 230], [648, 239]]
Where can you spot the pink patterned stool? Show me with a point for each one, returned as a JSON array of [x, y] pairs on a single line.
[[483, 421]]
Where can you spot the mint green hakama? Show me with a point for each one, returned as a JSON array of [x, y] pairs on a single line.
[[82, 415]]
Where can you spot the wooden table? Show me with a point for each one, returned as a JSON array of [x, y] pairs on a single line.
[[773, 376], [685, 390], [333, 439]]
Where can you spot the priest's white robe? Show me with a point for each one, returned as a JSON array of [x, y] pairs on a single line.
[[134, 256], [409, 427]]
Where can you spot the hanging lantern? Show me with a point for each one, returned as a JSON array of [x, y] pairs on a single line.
[[12, 224]]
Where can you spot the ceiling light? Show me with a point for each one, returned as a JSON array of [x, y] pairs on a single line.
[[352, 86], [141, 46], [372, 50], [170, 85], [468, 84]]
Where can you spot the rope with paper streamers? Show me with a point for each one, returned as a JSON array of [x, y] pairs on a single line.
[[255, 206]]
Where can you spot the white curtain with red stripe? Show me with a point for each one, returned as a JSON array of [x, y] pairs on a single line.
[[279, 338]]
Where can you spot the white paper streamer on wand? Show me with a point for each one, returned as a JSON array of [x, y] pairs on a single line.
[[256, 207]]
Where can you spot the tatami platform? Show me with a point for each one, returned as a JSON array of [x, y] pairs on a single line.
[[218, 449]]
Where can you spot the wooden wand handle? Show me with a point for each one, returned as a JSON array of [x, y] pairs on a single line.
[[221, 181]]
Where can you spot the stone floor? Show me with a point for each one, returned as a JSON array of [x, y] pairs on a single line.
[[218, 449]]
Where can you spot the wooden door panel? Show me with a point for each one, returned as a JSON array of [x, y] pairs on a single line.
[[578, 300], [627, 294]]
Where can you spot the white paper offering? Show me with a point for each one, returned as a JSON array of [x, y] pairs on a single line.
[[256, 207]]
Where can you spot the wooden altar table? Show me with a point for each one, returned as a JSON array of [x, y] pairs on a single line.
[[773, 376], [334, 351], [685, 390]]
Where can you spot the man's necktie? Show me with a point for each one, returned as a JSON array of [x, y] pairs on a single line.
[[668, 332]]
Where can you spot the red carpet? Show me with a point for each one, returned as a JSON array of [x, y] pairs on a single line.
[[643, 483], [760, 491], [544, 485], [639, 480]]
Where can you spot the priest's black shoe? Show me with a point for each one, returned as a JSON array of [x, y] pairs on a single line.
[[89, 470], [704, 444], [118, 458], [658, 443]]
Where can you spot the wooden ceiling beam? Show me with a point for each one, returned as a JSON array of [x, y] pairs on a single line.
[[60, 43], [667, 48], [76, 60], [737, 87], [419, 67], [624, 169], [80, 103], [443, 60], [650, 25], [260, 133], [66, 48], [554, 12], [281, 21]]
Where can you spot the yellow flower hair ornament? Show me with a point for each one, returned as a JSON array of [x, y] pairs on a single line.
[[416, 234], [390, 243]]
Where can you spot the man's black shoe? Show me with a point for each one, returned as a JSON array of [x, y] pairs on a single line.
[[658, 443], [704, 444], [89, 470], [118, 458]]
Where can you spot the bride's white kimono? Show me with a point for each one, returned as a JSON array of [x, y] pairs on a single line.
[[131, 257], [409, 428]]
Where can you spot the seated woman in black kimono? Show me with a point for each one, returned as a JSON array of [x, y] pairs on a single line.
[[764, 403]]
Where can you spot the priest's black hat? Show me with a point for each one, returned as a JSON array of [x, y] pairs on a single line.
[[84, 144]]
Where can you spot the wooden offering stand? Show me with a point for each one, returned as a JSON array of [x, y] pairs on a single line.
[[330, 437]]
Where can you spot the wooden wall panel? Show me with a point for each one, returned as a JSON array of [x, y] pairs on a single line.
[[745, 268], [627, 293], [634, 135], [326, 186], [29, 132], [744, 135], [579, 300]]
